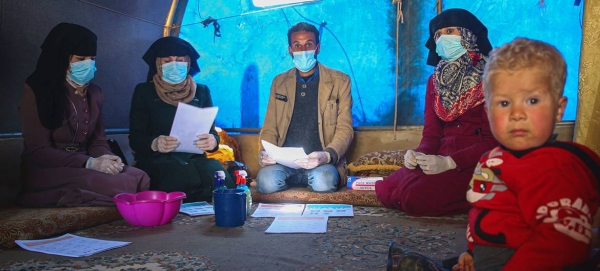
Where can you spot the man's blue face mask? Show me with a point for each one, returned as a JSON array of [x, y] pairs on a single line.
[[82, 71], [304, 60], [174, 72], [448, 47]]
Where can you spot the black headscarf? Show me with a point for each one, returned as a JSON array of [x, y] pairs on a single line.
[[48, 79], [461, 18], [170, 46]]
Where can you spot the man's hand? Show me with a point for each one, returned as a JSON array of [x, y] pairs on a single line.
[[109, 164], [465, 263], [264, 159], [435, 164], [164, 144], [206, 142], [314, 160]]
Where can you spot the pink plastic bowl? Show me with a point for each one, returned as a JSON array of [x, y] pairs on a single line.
[[149, 208]]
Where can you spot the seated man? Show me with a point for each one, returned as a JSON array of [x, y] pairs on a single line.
[[309, 107]]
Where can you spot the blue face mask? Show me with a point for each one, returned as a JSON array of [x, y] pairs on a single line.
[[305, 60], [82, 71], [174, 72], [448, 47]]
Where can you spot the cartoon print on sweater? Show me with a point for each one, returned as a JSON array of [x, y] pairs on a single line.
[[483, 186], [570, 218], [485, 182]]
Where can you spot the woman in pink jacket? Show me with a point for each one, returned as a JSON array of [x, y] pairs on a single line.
[[435, 176]]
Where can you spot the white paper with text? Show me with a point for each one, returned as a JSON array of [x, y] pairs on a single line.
[[189, 123], [284, 155]]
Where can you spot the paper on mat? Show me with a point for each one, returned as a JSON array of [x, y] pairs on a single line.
[[284, 155], [328, 210], [274, 210], [298, 224], [197, 208], [189, 123], [70, 245]]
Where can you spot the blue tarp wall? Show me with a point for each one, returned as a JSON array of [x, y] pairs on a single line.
[[358, 38]]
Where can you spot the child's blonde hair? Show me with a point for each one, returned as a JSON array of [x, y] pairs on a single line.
[[524, 53]]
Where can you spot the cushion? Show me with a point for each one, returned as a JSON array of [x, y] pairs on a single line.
[[229, 149], [378, 163], [303, 195], [19, 223], [223, 154]]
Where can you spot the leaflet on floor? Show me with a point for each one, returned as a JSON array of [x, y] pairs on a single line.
[[298, 224], [197, 208], [189, 123], [274, 210], [328, 210], [70, 245], [286, 209]]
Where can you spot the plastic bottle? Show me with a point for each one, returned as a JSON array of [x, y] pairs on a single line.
[[221, 176], [240, 180], [219, 183]]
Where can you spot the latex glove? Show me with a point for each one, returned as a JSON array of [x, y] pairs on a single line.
[[314, 160], [410, 161], [164, 144], [465, 263], [265, 160], [206, 142], [434, 164], [109, 164]]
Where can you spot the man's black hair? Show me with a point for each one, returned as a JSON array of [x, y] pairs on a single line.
[[303, 26]]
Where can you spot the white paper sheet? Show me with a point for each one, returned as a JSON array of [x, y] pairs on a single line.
[[298, 224], [197, 208], [287, 209], [274, 210], [284, 155], [70, 245], [328, 210], [189, 123]]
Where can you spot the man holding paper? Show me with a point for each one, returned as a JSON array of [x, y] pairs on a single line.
[[175, 163], [309, 108]]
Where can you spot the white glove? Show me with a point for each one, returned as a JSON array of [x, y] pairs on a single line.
[[109, 164], [164, 144], [314, 160], [435, 164], [206, 142], [410, 161], [264, 159]]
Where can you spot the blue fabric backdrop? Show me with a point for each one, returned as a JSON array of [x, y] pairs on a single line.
[[358, 38]]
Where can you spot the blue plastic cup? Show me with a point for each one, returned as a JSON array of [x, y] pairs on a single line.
[[230, 207]]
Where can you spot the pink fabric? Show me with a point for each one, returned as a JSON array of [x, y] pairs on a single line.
[[464, 140]]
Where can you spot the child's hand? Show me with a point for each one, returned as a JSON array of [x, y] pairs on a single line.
[[465, 263]]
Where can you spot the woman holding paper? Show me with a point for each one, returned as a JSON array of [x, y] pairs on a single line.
[[66, 159], [172, 63]]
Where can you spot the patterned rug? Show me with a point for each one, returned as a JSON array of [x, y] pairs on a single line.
[[303, 195], [357, 243], [18, 223], [148, 260]]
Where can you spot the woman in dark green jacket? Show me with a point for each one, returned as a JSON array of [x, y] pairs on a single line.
[[172, 63]]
